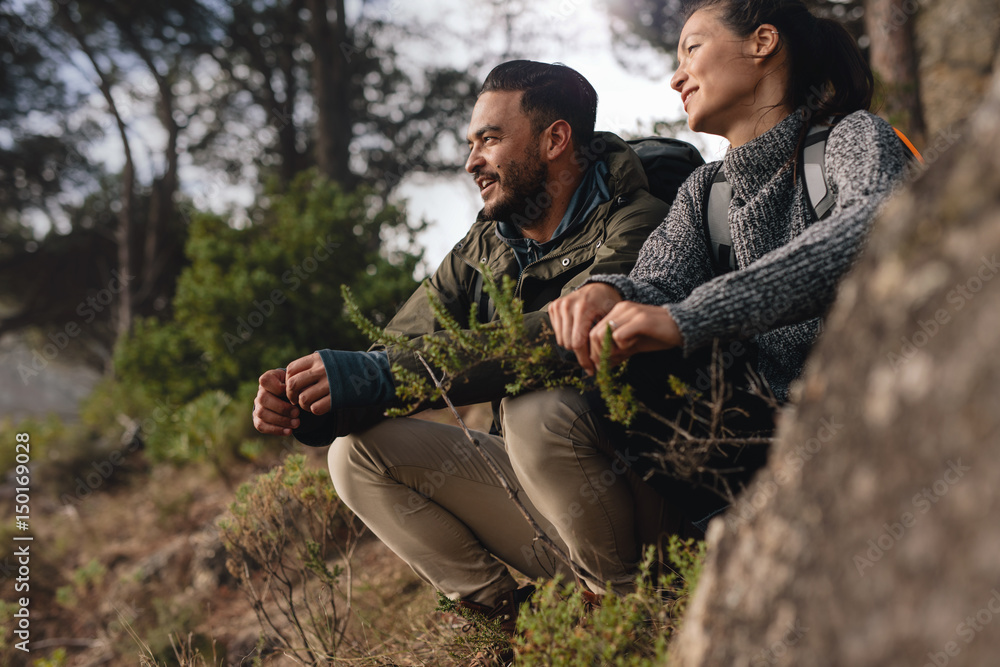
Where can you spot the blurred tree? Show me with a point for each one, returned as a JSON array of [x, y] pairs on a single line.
[[257, 298], [107, 103], [658, 23], [894, 60], [336, 87], [89, 248]]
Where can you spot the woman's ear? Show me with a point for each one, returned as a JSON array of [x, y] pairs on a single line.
[[765, 40]]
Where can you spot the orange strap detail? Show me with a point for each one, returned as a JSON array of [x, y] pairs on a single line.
[[909, 144]]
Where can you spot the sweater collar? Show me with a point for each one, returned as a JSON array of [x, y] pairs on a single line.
[[751, 166]]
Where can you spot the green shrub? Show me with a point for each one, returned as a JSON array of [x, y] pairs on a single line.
[[211, 427], [558, 629], [259, 297], [281, 534]]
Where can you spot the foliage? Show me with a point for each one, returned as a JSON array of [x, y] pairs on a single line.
[[560, 628], [258, 297], [57, 659], [211, 427], [193, 97], [281, 534], [688, 557], [85, 580], [530, 361]]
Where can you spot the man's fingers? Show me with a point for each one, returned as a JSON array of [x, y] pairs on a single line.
[[310, 395], [322, 406], [276, 404], [272, 418], [301, 381], [300, 364], [273, 381], [270, 429]]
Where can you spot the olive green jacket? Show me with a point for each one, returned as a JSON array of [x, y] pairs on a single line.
[[608, 242]]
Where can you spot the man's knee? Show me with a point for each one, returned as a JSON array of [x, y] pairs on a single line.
[[357, 456], [341, 461], [542, 425]]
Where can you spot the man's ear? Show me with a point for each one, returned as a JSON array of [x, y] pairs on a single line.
[[765, 40], [558, 138]]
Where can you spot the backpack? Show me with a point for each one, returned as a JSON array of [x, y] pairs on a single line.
[[667, 163], [821, 200]]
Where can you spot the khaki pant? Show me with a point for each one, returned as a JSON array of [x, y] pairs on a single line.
[[425, 491]]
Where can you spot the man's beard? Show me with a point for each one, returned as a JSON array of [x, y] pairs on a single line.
[[523, 193]]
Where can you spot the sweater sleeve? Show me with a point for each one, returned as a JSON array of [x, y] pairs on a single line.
[[674, 259], [798, 281]]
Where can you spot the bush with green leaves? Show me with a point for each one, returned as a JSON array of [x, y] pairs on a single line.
[[257, 297], [528, 360], [290, 542], [560, 629]]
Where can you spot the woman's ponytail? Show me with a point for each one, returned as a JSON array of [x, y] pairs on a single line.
[[840, 74]]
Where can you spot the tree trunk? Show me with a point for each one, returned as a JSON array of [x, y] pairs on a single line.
[[331, 88], [873, 537], [956, 43], [889, 24], [123, 309]]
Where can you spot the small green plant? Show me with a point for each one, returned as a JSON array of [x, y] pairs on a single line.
[[528, 359], [85, 580], [562, 629], [688, 557], [56, 659], [281, 534], [479, 636]]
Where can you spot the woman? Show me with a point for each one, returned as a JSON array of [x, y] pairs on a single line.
[[760, 74]]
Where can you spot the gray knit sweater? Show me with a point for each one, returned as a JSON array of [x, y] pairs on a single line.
[[788, 266]]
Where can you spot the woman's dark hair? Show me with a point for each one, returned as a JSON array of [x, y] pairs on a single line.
[[551, 92], [827, 73]]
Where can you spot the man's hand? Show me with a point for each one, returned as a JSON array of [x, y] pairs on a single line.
[[307, 385], [635, 328], [272, 413], [573, 317]]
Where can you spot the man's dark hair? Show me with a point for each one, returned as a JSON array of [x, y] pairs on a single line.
[[551, 92]]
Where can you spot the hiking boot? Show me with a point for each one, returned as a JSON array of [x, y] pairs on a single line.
[[591, 601]]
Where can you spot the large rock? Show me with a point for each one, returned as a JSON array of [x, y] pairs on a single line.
[[873, 536], [956, 43]]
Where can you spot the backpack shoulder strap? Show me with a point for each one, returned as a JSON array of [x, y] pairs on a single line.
[[716, 217], [912, 154], [821, 199], [814, 167]]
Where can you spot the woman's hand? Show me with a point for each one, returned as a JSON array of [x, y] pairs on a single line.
[[635, 328], [573, 316]]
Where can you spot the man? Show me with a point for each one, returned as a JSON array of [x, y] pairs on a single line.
[[560, 204]]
